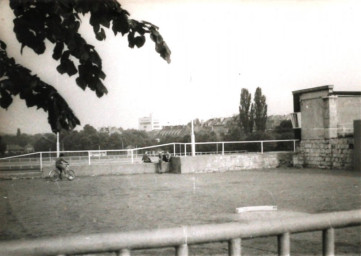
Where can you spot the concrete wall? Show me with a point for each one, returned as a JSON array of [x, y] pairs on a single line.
[[219, 163], [348, 110], [334, 153], [312, 112], [207, 163], [357, 146], [110, 169]]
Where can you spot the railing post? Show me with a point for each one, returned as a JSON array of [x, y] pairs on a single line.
[[328, 242], [131, 154], [262, 147], [284, 246], [185, 149], [234, 247], [41, 161], [222, 148], [173, 149], [89, 158], [123, 252], [181, 250], [294, 146]]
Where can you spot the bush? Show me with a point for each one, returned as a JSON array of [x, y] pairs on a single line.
[[256, 147]]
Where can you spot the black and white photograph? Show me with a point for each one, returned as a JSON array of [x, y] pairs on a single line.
[[180, 127]]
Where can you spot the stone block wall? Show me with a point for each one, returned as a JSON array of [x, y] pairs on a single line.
[[109, 169], [334, 153], [219, 163]]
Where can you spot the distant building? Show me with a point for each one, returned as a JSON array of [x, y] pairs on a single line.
[[149, 123], [110, 130], [14, 149], [217, 125], [29, 148], [174, 131]]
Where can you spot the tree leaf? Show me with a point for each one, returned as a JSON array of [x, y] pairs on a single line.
[[81, 83], [131, 39], [100, 35], [5, 99], [2, 45], [121, 24], [70, 68], [61, 68], [139, 41], [58, 50], [100, 89]]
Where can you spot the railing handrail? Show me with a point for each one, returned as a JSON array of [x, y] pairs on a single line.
[[29, 154], [147, 147], [173, 237], [238, 142]]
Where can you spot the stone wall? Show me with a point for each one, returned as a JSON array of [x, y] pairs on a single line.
[[110, 169], [219, 163], [197, 164], [325, 153]]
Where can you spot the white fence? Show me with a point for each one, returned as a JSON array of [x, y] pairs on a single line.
[[36, 161], [181, 238]]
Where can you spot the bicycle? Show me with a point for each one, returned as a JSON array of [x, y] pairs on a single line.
[[54, 174]]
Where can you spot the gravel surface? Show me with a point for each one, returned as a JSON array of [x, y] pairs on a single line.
[[32, 208]]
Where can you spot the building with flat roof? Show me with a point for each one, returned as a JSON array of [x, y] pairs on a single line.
[[149, 123], [321, 112], [327, 123]]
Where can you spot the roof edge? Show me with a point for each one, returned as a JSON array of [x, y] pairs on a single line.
[[346, 93], [315, 89]]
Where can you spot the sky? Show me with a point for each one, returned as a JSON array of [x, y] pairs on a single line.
[[218, 48]]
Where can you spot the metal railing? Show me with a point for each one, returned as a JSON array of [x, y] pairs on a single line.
[[123, 156], [182, 237]]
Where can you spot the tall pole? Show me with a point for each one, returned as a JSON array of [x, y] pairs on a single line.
[[57, 134], [193, 141], [57, 145]]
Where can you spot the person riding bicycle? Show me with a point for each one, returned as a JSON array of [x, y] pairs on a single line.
[[61, 164]]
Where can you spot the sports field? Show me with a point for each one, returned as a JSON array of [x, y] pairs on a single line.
[[39, 208]]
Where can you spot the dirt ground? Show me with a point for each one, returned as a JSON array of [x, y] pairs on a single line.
[[32, 208]]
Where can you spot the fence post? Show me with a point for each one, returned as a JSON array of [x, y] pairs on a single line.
[[131, 154], [173, 149], [294, 146], [262, 147], [123, 252], [89, 158], [284, 244], [181, 250], [328, 242], [41, 161], [234, 247], [185, 149], [222, 148]]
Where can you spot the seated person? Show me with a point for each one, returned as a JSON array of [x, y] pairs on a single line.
[[166, 157], [146, 158]]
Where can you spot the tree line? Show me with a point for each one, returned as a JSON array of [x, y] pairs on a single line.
[[248, 125], [91, 139], [86, 139]]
